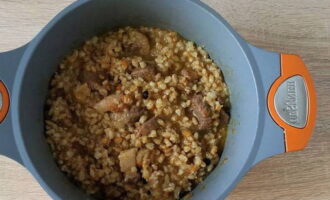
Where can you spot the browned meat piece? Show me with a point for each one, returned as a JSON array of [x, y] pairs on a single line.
[[127, 160], [80, 149], [190, 74], [223, 101], [147, 73], [91, 78], [224, 117], [138, 43], [204, 123], [140, 156], [121, 119], [111, 103], [200, 108], [202, 111], [82, 92], [59, 92], [148, 126]]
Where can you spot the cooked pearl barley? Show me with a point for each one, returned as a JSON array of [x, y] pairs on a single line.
[[122, 122]]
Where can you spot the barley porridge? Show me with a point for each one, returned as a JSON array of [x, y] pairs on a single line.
[[137, 113]]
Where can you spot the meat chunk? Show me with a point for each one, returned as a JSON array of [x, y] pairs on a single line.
[[200, 108], [82, 92], [190, 74], [119, 120], [147, 73], [127, 161], [135, 113], [141, 156], [80, 149], [137, 43], [148, 126], [223, 101], [224, 117], [202, 111], [91, 78], [58, 92], [111, 103], [204, 123]]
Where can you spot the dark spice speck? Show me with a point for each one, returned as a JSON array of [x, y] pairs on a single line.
[[207, 161], [144, 181], [183, 194], [145, 94]]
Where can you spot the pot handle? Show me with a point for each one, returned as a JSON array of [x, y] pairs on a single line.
[[9, 62], [290, 99]]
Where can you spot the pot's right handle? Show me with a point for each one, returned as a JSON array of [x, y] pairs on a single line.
[[292, 102], [290, 99], [9, 62]]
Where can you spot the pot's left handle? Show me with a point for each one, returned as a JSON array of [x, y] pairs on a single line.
[[9, 62]]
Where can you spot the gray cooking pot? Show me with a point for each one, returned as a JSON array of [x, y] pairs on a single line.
[[272, 95]]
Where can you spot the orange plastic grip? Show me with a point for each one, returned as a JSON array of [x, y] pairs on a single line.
[[5, 101], [295, 138]]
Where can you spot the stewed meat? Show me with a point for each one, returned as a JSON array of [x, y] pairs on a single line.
[[138, 43], [110, 103], [120, 119], [148, 126], [146, 73], [127, 162], [202, 112], [190, 74]]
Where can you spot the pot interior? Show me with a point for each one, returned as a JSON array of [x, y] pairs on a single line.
[[87, 18]]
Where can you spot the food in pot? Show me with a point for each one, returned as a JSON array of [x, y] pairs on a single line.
[[137, 113]]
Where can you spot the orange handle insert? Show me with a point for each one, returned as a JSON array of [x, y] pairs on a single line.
[[4, 101], [292, 102]]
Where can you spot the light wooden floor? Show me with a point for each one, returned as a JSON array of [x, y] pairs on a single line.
[[295, 26]]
